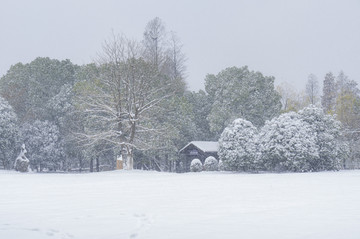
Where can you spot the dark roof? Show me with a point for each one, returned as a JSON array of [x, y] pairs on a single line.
[[204, 146]]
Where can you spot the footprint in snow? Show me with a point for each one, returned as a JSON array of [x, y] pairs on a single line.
[[133, 236], [143, 223]]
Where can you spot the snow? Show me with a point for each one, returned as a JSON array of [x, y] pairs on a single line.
[[138, 204], [205, 146], [237, 146]]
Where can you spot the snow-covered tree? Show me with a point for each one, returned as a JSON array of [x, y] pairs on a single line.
[[240, 93], [201, 107], [328, 99], [221, 165], [44, 145], [288, 97], [312, 89], [345, 85], [8, 134], [237, 146], [175, 59], [196, 165], [43, 90], [341, 97], [306, 141], [211, 164], [123, 101], [29, 87], [163, 50], [177, 118], [60, 106], [347, 100], [332, 149], [287, 143]]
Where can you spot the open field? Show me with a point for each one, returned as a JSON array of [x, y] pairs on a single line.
[[137, 204]]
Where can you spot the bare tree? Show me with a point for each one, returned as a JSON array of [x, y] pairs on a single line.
[[312, 89], [288, 97], [154, 39], [121, 102], [164, 50], [176, 58]]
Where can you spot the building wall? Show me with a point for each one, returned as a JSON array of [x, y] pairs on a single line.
[[188, 155]]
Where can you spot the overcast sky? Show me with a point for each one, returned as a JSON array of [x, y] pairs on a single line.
[[286, 39]]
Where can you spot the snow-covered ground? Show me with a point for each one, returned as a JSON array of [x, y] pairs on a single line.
[[194, 205]]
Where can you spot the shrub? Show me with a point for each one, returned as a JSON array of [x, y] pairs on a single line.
[[211, 164], [332, 148], [196, 165], [299, 142], [221, 165], [237, 146], [287, 143]]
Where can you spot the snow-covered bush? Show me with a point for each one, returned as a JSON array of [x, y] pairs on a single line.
[[306, 141], [21, 162], [196, 165], [221, 165], [8, 134], [331, 147], [211, 164], [237, 146], [287, 143]]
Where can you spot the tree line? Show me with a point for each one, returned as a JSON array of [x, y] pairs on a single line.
[[340, 98], [133, 101]]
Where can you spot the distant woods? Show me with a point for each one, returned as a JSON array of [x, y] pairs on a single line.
[[76, 117], [133, 102]]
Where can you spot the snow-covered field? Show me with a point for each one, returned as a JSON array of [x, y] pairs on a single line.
[[139, 204]]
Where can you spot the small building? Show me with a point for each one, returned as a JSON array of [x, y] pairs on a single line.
[[196, 149]]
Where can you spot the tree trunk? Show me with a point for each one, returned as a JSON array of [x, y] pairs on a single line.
[[130, 160], [4, 162], [91, 165], [80, 165], [97, 164]]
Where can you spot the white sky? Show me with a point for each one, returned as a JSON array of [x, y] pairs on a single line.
[[286, 39]]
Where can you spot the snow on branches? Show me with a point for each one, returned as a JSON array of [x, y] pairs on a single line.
[[196, 165], [287, 143], [297, 142], [237, 145], [8, 133]]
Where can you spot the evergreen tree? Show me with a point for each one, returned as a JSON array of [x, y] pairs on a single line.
[[346, 100], [348, 112], [8, 134], [312, 89], [201, 108], [176, 123], [238, 92], [287, 143], [333, 150], [237, 146], [28, 88], [44, 145], [328, 99]]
